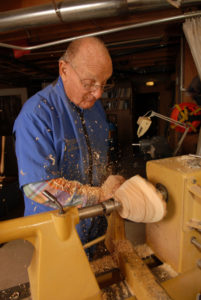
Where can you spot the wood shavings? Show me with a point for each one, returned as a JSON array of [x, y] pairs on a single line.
[[143, 250], [22, 173], [14, 296], [164, 272], [192, 162], [52, 159], [122, 246], [103, 264], [117, 291]]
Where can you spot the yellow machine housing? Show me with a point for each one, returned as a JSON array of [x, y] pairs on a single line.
[[60, 268], [171, 239]]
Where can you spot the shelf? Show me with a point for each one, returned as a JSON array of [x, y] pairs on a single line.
[[118, 108], [117, 104]]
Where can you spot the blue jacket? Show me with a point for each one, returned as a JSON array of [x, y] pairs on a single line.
[[50, 142]]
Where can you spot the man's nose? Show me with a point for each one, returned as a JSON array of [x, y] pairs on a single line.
[[98, 92]]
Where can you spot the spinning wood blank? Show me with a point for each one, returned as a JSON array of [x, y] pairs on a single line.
[[140, 200]]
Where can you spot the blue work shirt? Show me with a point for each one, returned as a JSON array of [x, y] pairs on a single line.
[[50, 142]]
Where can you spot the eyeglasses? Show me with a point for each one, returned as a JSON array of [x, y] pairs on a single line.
[[90, 86]]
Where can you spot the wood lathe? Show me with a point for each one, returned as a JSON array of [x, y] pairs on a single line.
[[60, 268]]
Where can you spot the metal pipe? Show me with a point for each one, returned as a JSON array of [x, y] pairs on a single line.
[[145, 5], [65, 11], [69, 11], [107, 31], [103, 208]]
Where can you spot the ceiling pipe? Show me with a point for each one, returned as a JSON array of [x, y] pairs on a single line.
[[107, 31], [69, 11], [65, 11]]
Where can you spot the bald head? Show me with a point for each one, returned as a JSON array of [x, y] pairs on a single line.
[[85, 60], [80, 44], [88, 51]]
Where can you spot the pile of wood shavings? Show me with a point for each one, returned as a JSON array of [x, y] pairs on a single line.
[[122, 246], [164, 272], [103, 264], [143, 250], [109, 262], [116, 291], [190, 161]]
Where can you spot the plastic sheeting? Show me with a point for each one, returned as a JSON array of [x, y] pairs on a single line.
[[192, 31]]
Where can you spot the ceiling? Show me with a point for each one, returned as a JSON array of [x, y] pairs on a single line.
[[144, 39]]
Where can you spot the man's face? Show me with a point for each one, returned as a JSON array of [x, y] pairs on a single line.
[[84, 84]]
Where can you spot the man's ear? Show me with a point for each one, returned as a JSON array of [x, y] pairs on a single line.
[[63, 69]]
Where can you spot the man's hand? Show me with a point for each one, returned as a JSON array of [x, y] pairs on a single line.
[[111, 184]]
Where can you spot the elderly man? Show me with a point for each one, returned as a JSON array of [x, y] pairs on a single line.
[[62, 136]]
